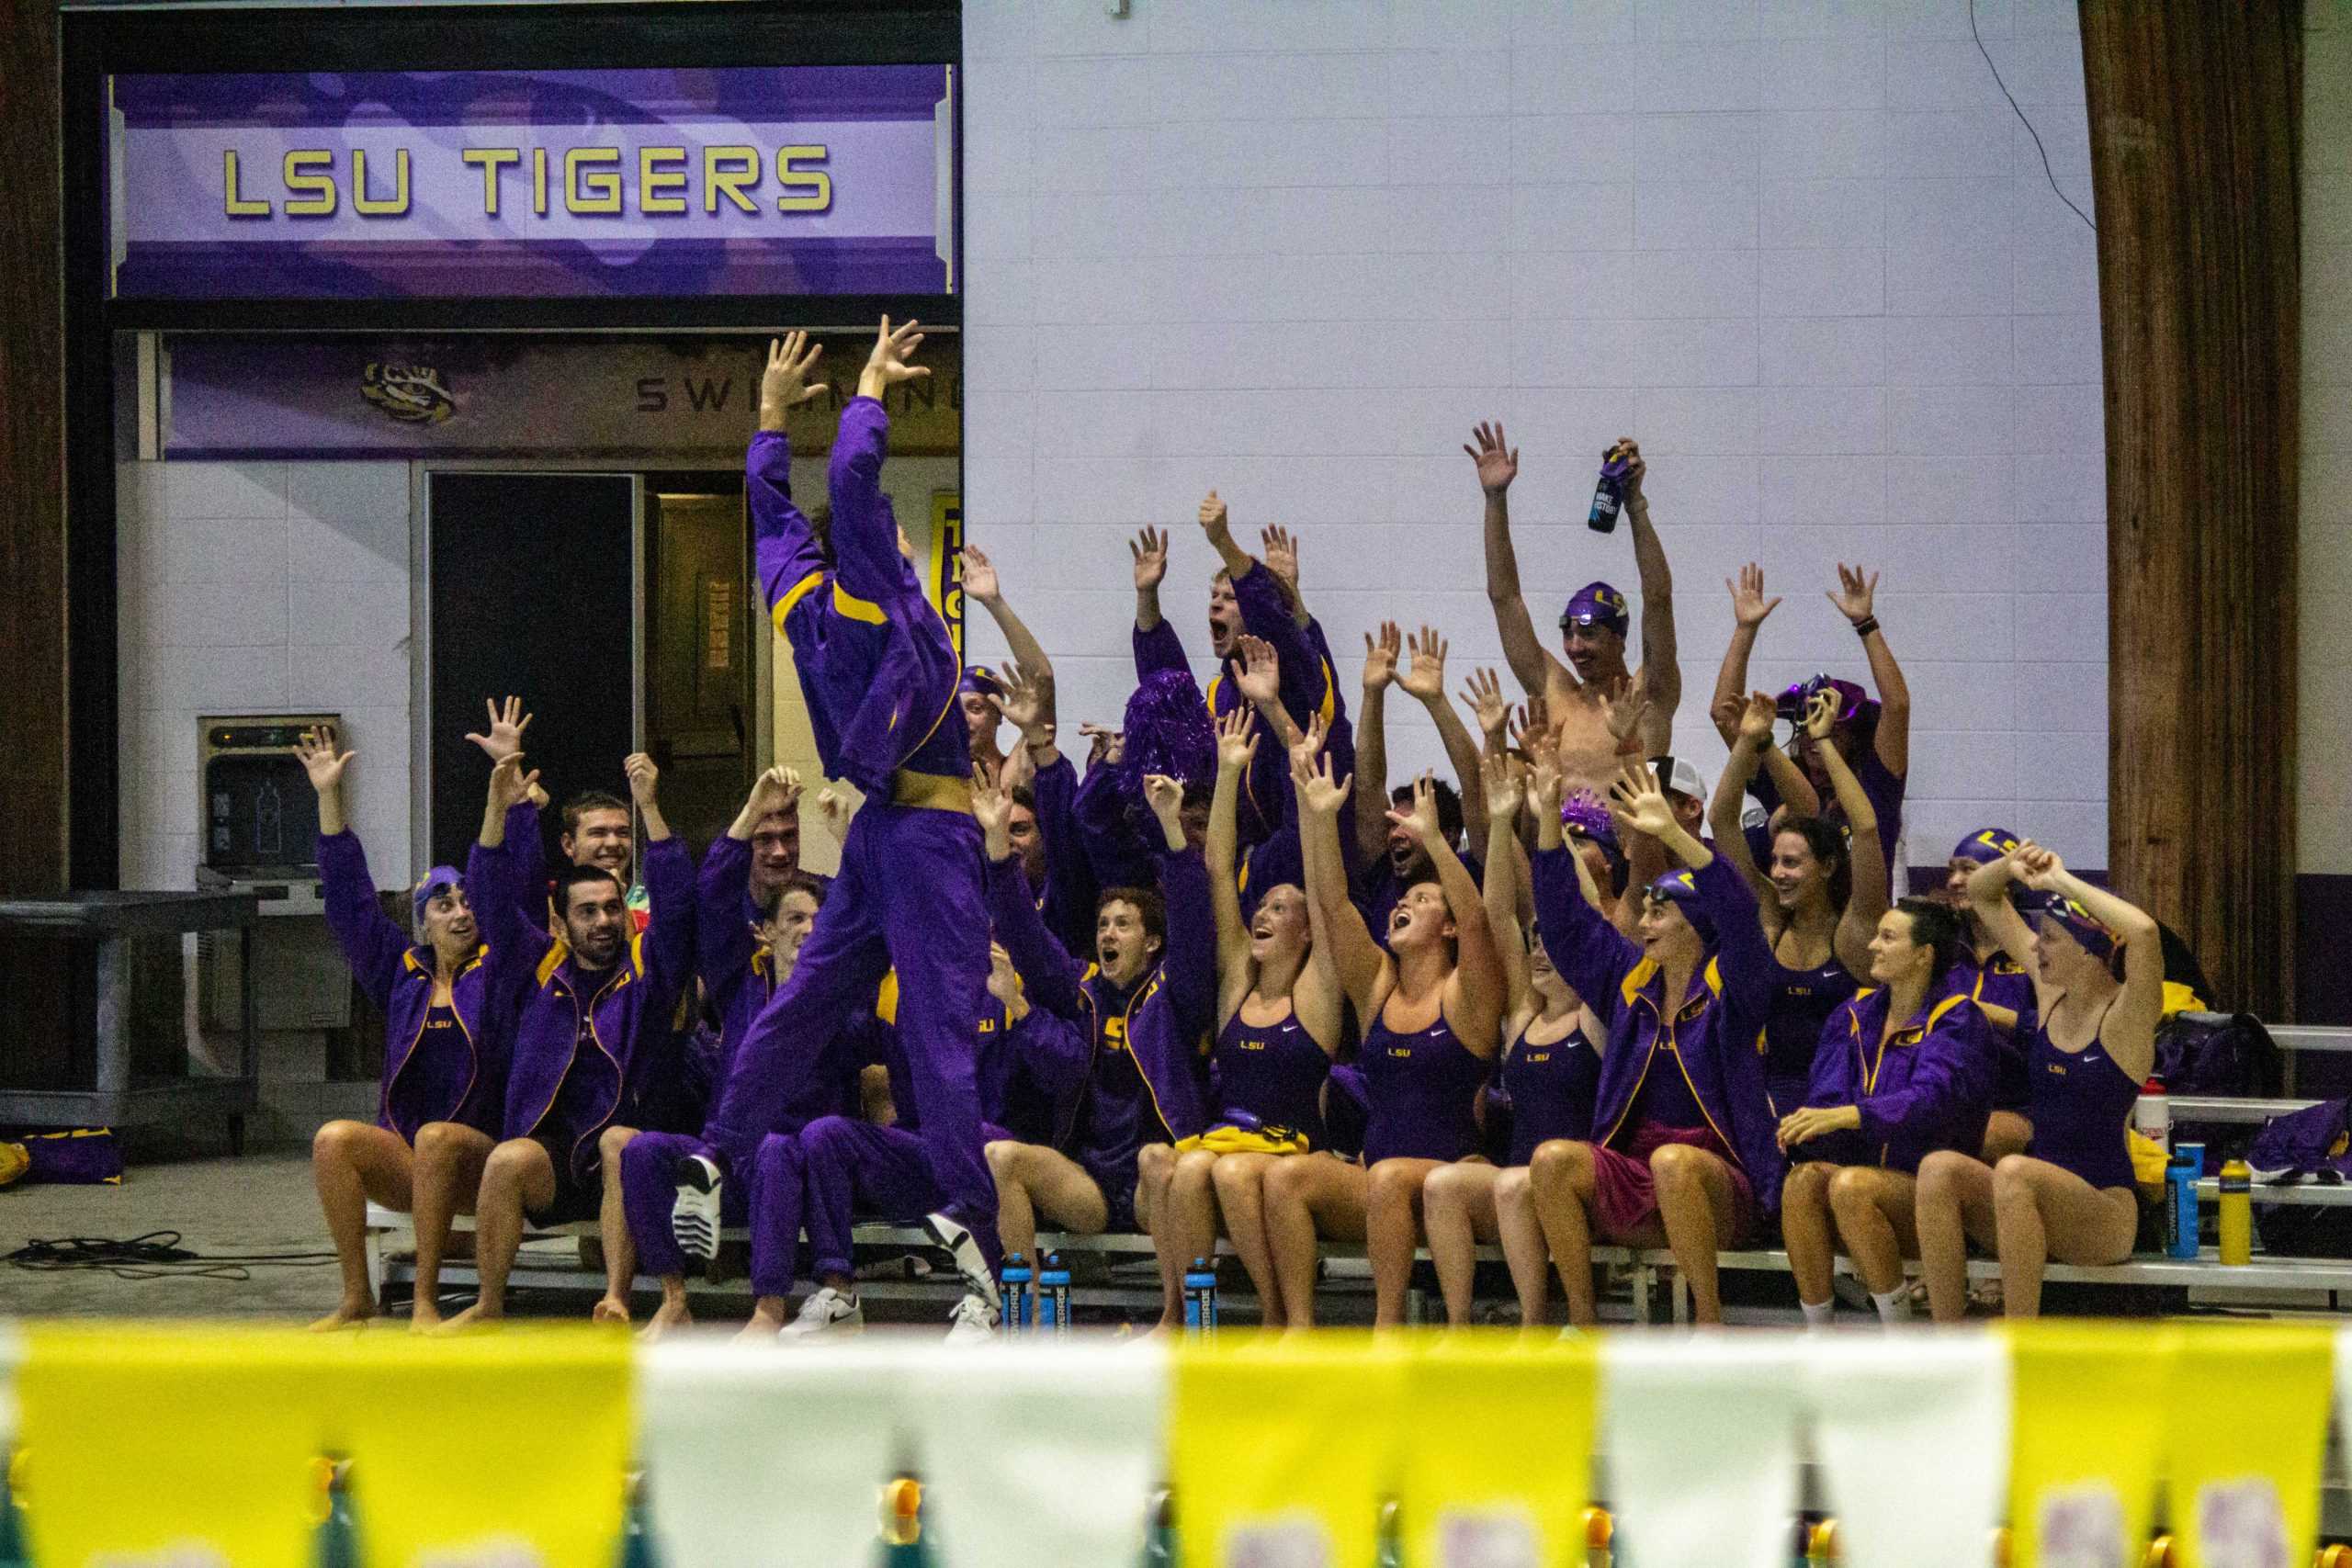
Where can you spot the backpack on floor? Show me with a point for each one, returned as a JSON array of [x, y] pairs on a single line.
[[2218, 1054]]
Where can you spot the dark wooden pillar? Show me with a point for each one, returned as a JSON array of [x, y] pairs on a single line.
[[32, 456], [2195, 121]]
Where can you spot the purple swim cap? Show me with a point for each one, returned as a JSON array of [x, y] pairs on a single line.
[[2082, 925], [981, 678], [439, 879], [1985, 845], [1596, 604], [1682, 888], [1585, 817]]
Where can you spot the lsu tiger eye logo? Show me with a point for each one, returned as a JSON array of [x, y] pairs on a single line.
[[413, 394]]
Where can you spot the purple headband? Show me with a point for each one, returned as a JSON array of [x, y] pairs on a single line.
[[1168, 732], [436, 880], [1596, 604], [1985, 845], [2082, 925]]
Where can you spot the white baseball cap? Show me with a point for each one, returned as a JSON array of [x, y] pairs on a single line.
[[1679, 776]]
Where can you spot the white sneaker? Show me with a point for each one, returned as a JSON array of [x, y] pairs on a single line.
[[969, 1263], [973, 1322], [694, 1214], [826, 1315]]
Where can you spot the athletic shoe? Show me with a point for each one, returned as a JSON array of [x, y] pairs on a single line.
[[694, 1215], [974, 1322], [828, 1315], [959, 1245]]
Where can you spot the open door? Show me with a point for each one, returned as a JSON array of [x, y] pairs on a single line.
[[699, 721]]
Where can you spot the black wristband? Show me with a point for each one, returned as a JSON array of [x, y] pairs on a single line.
[[1866, 625]]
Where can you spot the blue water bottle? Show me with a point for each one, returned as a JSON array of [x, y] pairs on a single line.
[[1200, 1298], [1015, 1292], [2181, 1172], [1053, 1295], [1609, 495]]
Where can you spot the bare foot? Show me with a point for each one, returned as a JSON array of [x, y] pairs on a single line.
[[762, 1328], [610, 1309], [424, 1315], [472, 1317], [350, 1313], [667, 1316]]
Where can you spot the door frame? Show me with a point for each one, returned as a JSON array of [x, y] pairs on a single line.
[[420, 615]]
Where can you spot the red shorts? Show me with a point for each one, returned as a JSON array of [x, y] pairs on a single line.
[[1625, 1195]]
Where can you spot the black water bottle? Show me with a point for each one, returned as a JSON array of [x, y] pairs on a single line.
[[1609, 495]]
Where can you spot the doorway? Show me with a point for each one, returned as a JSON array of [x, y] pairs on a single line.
[[700, 714]]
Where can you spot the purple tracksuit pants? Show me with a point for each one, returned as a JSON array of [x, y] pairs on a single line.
[[766, 1192], [850, 1165], [907, 897]]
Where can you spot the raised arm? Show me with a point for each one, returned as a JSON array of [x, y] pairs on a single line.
[[1029, 703], [1500, 889], [1337, 928], [1476, 992], [1661, 675], [1188, 964], [1149, 549], [1854, 596], [1988, 900], [784, 546], [1279, 549], [2130, 1031], [497, 883], [865, 533], [1306, 687], [1866, 896], [1531, 662], [1750, 739], [1048, 971], [723, 939], [1235, 748], [1380, 654], [1748, 608], [1424, 680], [372, 944], [981, 582]]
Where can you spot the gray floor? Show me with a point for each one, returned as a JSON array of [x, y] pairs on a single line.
[[262, 1202]]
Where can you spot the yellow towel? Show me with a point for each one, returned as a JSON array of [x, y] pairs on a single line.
[[2086, 1431], [1242, 1141], [1494, 1466]]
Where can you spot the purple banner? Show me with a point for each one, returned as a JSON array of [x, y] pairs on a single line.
[[570, 184]]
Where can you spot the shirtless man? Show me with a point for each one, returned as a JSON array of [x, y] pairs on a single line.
[[1585, 690]]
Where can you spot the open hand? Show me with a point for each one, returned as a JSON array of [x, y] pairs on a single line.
[[887, 364], [1309, 744], [1543, 787], [784, 383], [1854, 593], [1261, 675], [1749, 605], [1424, 672], [319, 758], [1624, 706], [1485, 695], [1311, 777], [1165, 796], [1281, 554], [1498, 463], [1421, 818], [1151, 549], [1506, 778], [1380, 655], [1636, 801], [509, 784], [980, 576], [992, 809], [1027, 703], [1756, 720], [834, 807], [506, 726], [1236, 741]]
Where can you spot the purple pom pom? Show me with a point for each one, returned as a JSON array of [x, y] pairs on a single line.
[[1168, 732]]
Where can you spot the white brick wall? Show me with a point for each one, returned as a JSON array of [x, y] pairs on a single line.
[[2325, 835], [1294, 249], [261, 588]]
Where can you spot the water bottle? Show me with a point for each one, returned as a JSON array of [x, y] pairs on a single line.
[[1609, 495], [1200, 1298], [1599, 1533], [2180, 1202], [2237, 1212], [1053, 1295], [2151, 1115], [1015, 1293]]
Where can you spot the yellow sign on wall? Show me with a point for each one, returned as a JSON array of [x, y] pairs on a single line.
[[945, 582]]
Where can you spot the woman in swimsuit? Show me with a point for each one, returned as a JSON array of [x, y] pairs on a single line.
[[2099, 978]]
